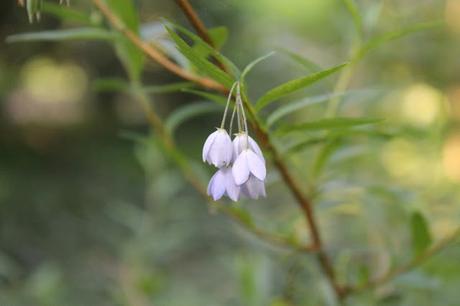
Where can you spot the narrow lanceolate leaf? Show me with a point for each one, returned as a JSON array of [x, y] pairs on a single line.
[[209, 96], [294, 85], [324, 155], [130, 56], [357, 18], [67, 13], [305, 62], [168, 88], [421, 238], [110, 85], [203, 49], [327, 124], [202, 64], [219, 36], [251, 65], [190, 111], [387, 37], [293, 107], [57, 35]]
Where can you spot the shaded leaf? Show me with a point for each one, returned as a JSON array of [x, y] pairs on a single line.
[[131, 56], [202, 64], [324, 155], [209, 96], [189, 111], [66, 13], [219, 36], [168, 88], [421, 238], [357, 18], [58, 35], [294, 85], [308, 64], [328, 123], [110, 84]]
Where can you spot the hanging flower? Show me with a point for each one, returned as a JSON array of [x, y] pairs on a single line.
[[218, 149], [246, 164], [253, 188], [222, 183], [242, 141]]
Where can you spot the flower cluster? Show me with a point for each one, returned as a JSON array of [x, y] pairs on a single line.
[[241, 164]]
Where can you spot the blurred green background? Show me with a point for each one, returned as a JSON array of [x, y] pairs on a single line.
[[93, 213]]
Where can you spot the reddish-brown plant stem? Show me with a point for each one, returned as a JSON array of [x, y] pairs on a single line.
[[199, 26]]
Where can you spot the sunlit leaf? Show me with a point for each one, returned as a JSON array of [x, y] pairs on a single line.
[[131, 57], [209, 96], [294, 85], [58, 35], [251, 65], [421, 238], [327, 124], [202, 64], [189, 111]]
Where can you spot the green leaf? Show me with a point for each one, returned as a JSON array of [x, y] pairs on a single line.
[[421, 238], [219, 36], [242, 215], [110, 85], [198, 58], [131, 57], [58, 35], [387, 37], [209, 96], [324, 155], [294, 85], [357, 18], [293, 107], [327, 124], [251, 65], [168, 88], [189, 111], [305, 62], [66, 13]]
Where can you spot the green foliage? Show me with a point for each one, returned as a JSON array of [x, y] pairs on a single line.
[[251, 65], [327, 124], [202, 64], [67, 13], [60, 35], [294, 85], [131, 57], [190, 111], [421, 238], [209, 96], [357, 18]]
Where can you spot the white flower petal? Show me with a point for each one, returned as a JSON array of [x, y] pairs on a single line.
[[240, 169], [216, 186], [253, 188], [255, 147], [232, 190], [207, 145], [256, 165], [221, 151]]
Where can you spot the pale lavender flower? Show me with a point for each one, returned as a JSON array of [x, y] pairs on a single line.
[[243, 141], [222, 183], [246, 164], [253, 188], [218, 149]]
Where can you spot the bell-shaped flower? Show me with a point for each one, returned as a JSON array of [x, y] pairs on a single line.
[[243, 141], [248, 163], [218, 149], [253, 188], [222, 183]]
